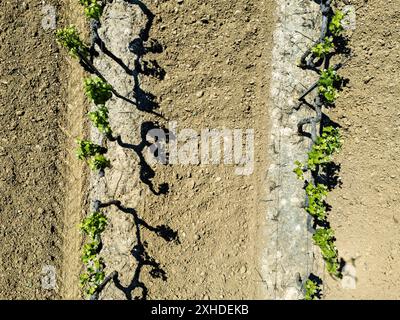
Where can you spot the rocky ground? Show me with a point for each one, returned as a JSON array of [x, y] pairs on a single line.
[[32, 113]]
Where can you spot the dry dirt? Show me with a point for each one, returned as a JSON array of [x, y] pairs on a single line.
[[32, 187], [42, 183], [76, 126], [365, 212], [216, 61]]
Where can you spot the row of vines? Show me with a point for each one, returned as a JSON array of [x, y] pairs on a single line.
[[98, 91], [318, 172]]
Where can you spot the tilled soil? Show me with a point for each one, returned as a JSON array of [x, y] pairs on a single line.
[[31, 151], [365, 209], [216, 57]]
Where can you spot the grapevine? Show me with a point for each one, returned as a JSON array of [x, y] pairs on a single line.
[[94, 273], [69, 38], [93, 154], [92, 278], [99, 163], [324, 238], [323, 48], [328, 142], [328, 85], [100, 120], [316, 196], [95, 224], [313, 290], [325, 146], [87, 149], [97, 90], [93, 8], [335, 26]]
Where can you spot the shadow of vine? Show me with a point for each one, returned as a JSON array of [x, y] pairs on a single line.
[[145, 101], [139, 253], [146, 172]]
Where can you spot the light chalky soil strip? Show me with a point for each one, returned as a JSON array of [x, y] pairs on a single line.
[[288, 258], [121, 23]]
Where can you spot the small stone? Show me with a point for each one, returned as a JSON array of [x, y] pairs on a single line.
[[368, 79], [191, 184], [12, 125], [2, 152], [40, 211], [200, 94]]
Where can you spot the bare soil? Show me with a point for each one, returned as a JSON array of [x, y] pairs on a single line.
[[365, 210], [216, 60], [76, 126], [32, 185]]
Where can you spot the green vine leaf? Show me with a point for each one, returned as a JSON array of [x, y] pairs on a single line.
[[321, 49], [328, 84], [316, 196], [100, 120], [99, 162], [312, 290], [93, 276], [299, 170], [90, 251], [335, 26], [93, 9], [95, 224], [326, 145], [324, 238], [87, 149], [70, 39], [97, 90]]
